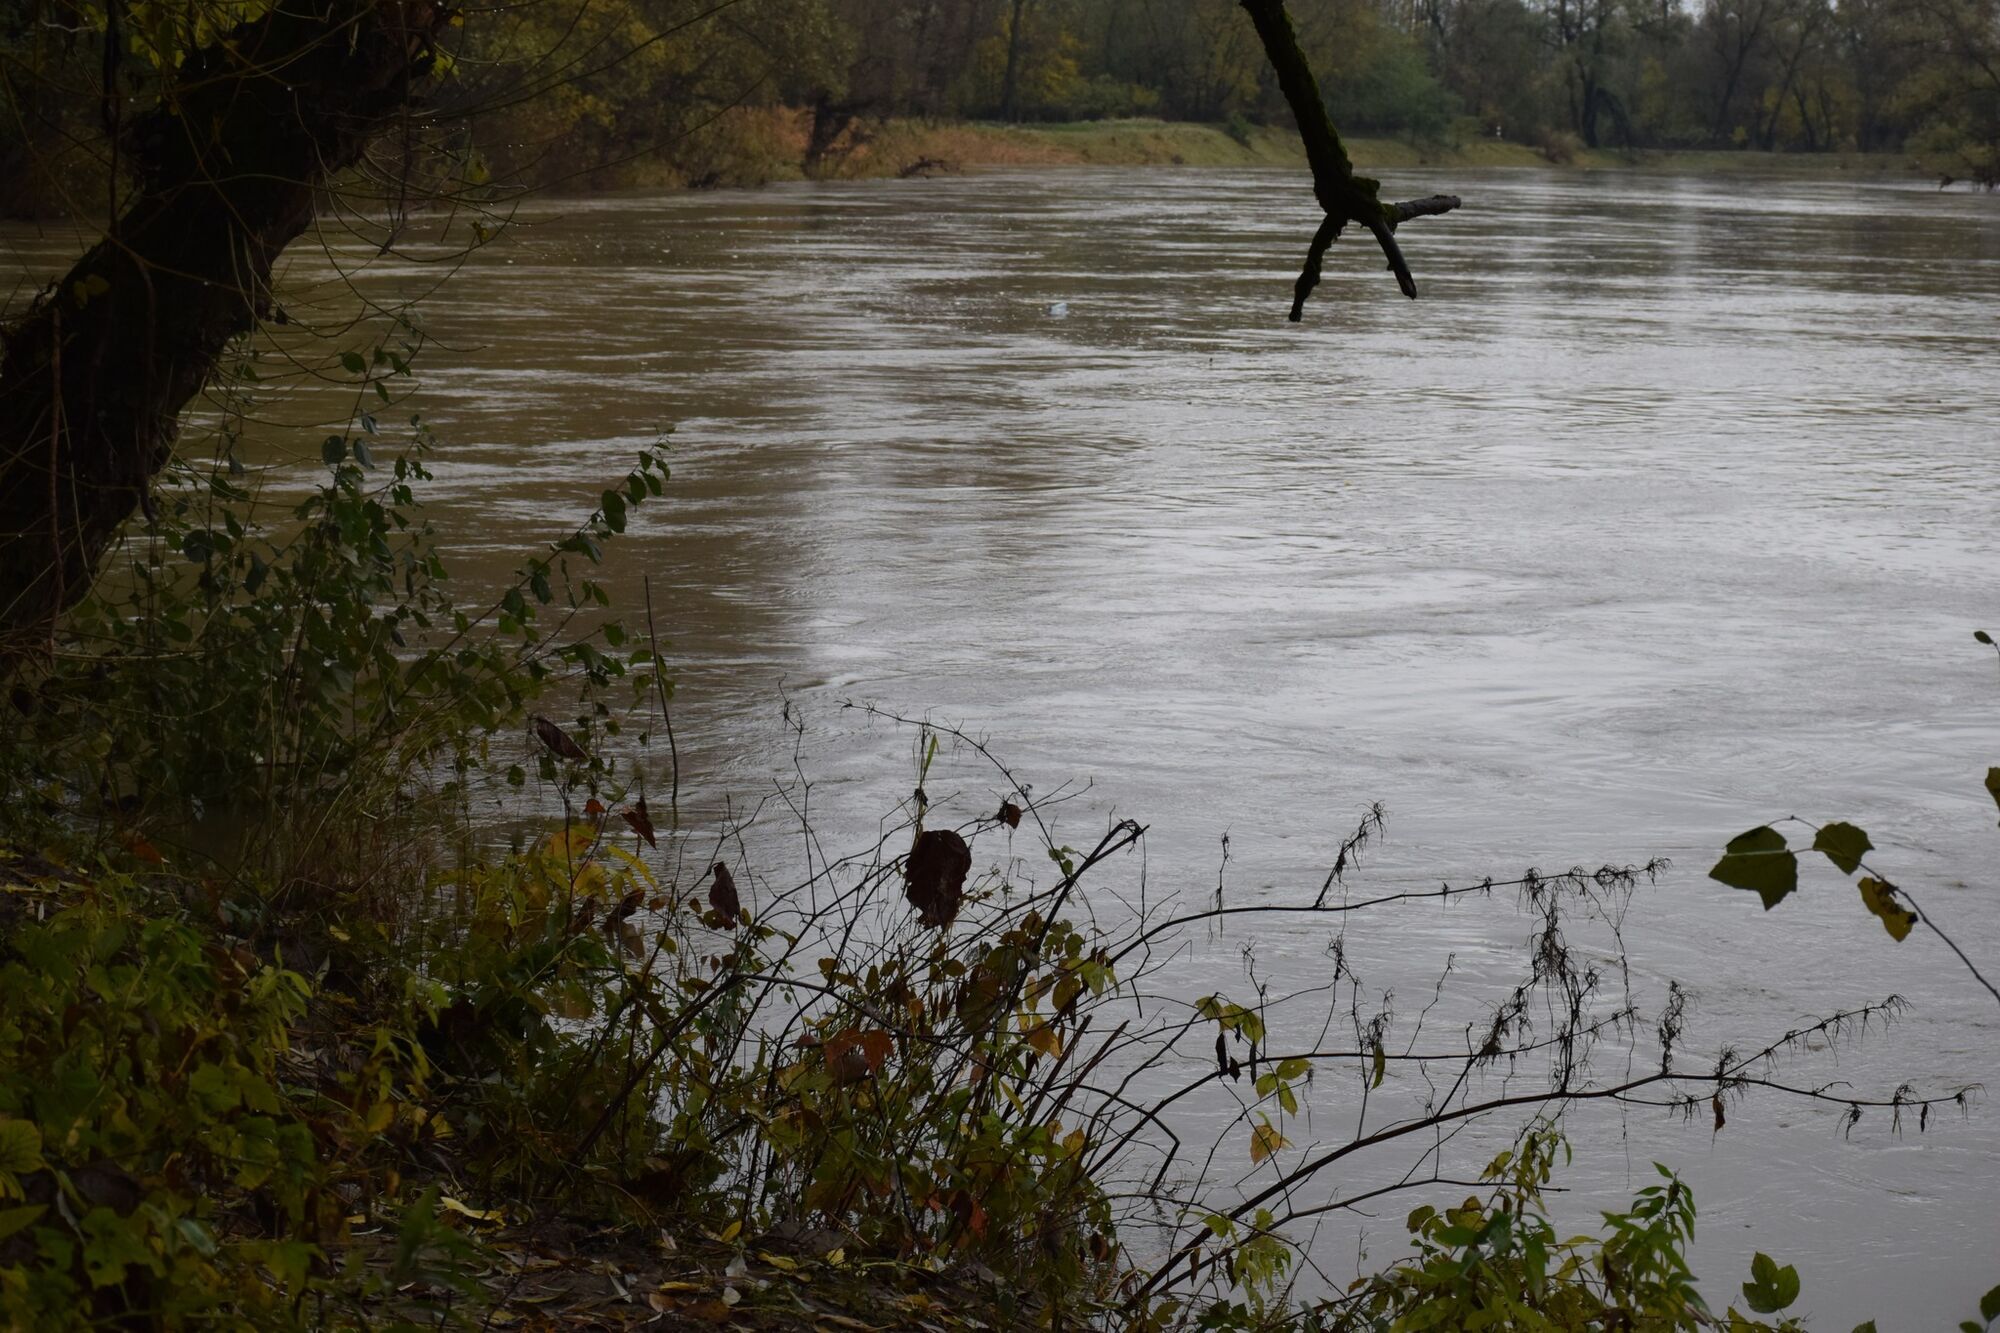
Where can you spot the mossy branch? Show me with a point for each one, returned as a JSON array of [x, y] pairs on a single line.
[[1345, 196]]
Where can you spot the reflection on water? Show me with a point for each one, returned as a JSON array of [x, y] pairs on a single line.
[[1669, 510]]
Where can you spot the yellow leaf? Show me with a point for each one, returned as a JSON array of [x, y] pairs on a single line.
[[1265, 1141], [1046, 1040], [593, 881], [632, 863], [1879, 897], [731, 1232], [570, 844], [490, 1216]]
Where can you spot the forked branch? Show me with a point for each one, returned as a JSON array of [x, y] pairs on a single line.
[[1345, 196]]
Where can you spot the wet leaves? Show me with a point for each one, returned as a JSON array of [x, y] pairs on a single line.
[[934, 876]]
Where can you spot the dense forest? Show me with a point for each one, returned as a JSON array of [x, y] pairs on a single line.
[[688, 91], [1773, 74]]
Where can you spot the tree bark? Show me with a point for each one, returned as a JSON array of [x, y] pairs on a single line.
[[94, 376], [1008, 91], [1345, 196]]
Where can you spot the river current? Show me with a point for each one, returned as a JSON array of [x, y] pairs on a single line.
[[1668, 510]]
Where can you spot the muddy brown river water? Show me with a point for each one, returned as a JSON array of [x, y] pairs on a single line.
[[1670, 509]]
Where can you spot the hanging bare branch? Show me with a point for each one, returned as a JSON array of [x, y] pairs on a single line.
[[1345, 196]]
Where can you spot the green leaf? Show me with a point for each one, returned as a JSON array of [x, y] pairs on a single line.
[[1381, 1066], [20, 1147], [1993, 784], [111, 1245], [96, 284], [13, 1219], [1844, 845], [1759, 861], [331, 450], [352, 363], [1770, 1288], [1879, 897], [1868, 1327], [1983, 637], [1989, 1305], [614, 511]]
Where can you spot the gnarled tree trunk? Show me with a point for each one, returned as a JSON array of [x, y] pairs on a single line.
[[94, 376]]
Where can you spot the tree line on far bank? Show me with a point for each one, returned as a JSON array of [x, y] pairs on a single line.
[[605, 92], [1859, 75]]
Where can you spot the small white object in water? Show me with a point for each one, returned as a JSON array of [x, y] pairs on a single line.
[[1060, 310]]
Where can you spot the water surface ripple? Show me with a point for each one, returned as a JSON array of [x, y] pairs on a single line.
[[1669, 509]]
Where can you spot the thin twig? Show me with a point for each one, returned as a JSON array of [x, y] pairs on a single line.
[[666, 712]]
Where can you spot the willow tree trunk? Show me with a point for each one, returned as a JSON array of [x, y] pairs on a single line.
[[93, 378]]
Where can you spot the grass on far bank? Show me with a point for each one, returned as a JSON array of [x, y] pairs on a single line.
[[894, 146]]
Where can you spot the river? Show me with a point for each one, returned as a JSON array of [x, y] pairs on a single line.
[[1670, 509]]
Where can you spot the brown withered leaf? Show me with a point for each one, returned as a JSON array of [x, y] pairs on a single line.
[[854, 1054], [641, 822], [722, 896], [965, 1210], [934, 876], [848, 1064], [558, 741], [1010, 814]]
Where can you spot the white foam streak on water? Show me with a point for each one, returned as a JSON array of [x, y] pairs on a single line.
[[1668, 510]]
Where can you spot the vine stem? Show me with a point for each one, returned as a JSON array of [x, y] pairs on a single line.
[[1950, 943]]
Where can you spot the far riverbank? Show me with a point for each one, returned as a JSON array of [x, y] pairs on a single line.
[[909, 147]]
